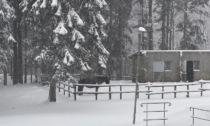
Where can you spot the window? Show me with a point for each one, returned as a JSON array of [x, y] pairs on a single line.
[[196, 65], [167, 65]]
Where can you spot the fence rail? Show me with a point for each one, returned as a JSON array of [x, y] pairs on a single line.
[[147, 111], [196, 117], [72, 89], [175, 91]]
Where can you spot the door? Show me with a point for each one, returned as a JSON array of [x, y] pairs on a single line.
[[190, 72]]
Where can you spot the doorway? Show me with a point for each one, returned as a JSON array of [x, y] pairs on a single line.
[[190, 71]]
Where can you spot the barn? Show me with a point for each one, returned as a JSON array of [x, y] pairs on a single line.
[[171, 65]]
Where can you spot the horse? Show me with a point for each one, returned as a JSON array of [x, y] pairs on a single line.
[[94, 80]]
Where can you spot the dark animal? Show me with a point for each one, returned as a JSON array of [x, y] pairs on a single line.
[[94, 80]]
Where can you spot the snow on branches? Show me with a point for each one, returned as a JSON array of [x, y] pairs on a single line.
[[77, 36], [5, 10], [68, 58], [44, 4], [100, 18], [60, 29], [84, 66], [11, 38], [102, 61], [100, 3], [54, 3], [74, 17]]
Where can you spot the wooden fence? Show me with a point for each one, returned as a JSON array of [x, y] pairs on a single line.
[[175, 91], [71, 89], [193, 109]]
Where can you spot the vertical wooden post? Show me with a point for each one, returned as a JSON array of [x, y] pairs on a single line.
[[69, 90], [164, 113], [96, 93], [110, 93], [75, 94], [174, 91], [59, 84], [162, 92], [188, 94], [148, 92], [201, 88], [64, 89], [120, 92], [138, 91]]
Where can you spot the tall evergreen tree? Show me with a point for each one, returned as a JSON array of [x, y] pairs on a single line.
[[118, 31], [76, 29], [191, 26], [6, 38]]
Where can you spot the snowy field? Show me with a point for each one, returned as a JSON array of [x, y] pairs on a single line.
[[27, 105]]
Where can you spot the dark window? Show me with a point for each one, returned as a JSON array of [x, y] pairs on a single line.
[[167, 65], [196, 65]]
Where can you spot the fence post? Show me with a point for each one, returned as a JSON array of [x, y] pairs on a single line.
[[162, 92], [64, 89], [174, 91], [59, 84], [96, 93], [193, 116], [164, 113], [75, 94], [69, 90], [201, 88], [138, 91], [188, 93], [110, 94], [148, 92], [120, 92]]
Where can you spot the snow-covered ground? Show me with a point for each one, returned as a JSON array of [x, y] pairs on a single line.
[[27, 105]]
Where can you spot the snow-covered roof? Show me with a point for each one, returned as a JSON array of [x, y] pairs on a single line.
[[165, 51]]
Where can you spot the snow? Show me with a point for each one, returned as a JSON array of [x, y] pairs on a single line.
[[60, 29], [43, 5], [100, 18], [68, 58], [27, 105], [58, 13], [11, 38], [54, 3]]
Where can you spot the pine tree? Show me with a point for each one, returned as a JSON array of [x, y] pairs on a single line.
[[6, 38], [118, 31], [75, 43], [192, 27]]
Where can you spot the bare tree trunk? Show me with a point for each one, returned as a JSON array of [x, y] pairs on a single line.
[[168, 23], [25, 71], [31, 74], [150, 31], [163, 45], [11, 69], [5, 76], [120, 40], [171, 46], [110, 25], [15, 74], [17, 47], [52, 91], [184, 41]]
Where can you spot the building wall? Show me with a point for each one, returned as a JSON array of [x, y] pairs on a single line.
[[177, 67], [204, 67], [169, 75]]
